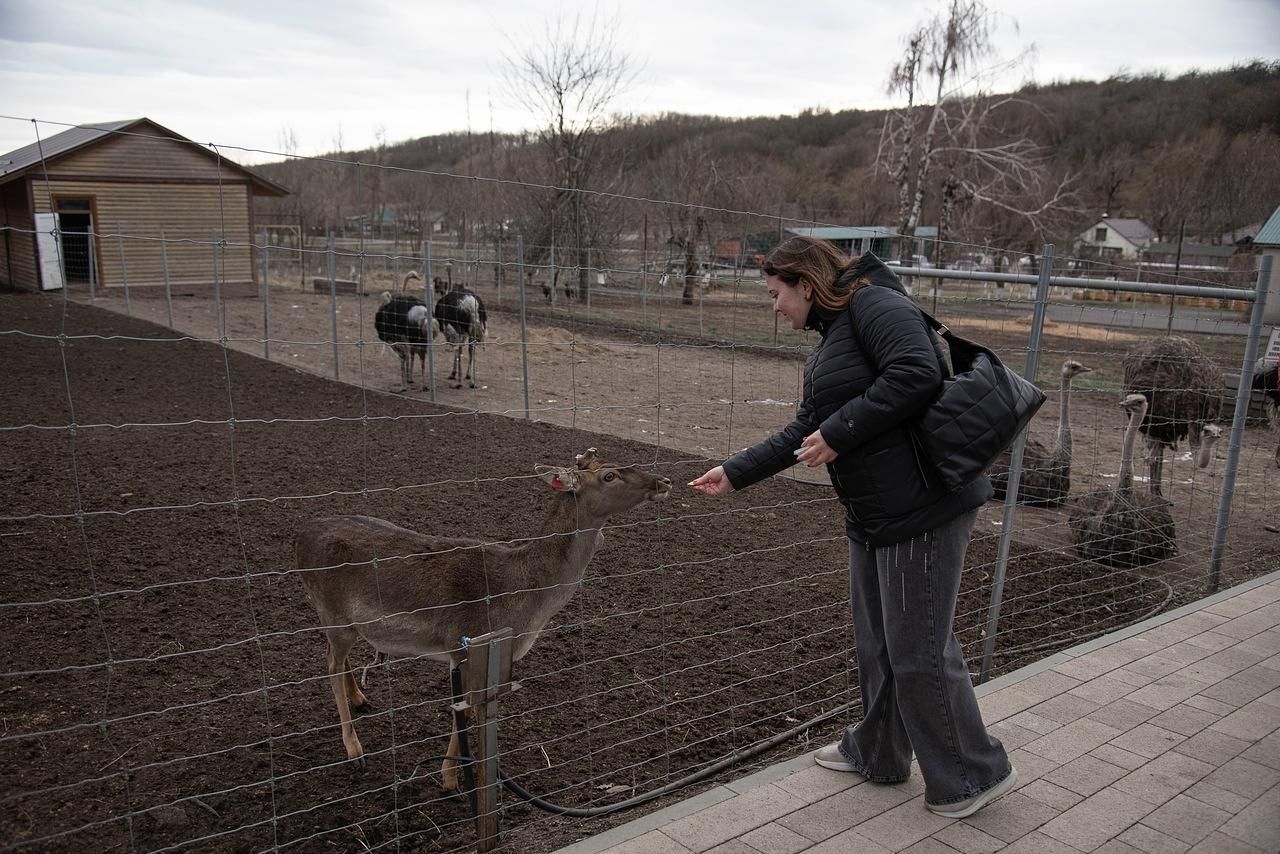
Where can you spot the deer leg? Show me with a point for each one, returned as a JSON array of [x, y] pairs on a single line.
[[356, 698], [336, 657], [457, 739]]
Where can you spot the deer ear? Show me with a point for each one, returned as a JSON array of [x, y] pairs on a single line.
[[561, 480]]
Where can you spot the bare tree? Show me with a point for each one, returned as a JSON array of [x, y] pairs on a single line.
[[567, 81], [966, 147]]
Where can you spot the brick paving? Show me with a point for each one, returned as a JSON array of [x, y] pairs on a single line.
[[1163, 737]]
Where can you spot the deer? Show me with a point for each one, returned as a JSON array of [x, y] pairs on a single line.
[[410, 594]]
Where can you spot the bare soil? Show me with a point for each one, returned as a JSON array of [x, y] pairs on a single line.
[[164, 683]]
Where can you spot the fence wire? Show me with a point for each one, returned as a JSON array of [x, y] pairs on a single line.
[[172, 420]]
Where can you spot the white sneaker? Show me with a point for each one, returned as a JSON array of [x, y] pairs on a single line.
[[969, 806], [831, 757]]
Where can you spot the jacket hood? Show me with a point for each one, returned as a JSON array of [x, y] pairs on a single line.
[[874, 269]]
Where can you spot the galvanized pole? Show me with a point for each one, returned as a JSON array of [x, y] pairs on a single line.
[[428, 294], [1243, 393], [331, 258], [502, 273], [1015, 470], [266, 300], [644, 272], [93, 267], [168, 290], [524, 337], [217, 288], [124, 273]]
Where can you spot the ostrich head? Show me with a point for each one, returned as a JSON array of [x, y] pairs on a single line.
[[1134, 404], [1071, 369], [1209, 435]]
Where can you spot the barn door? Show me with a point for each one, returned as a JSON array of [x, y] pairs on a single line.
[[75, 224]]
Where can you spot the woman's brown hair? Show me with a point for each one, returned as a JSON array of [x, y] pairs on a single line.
[[819, 264]]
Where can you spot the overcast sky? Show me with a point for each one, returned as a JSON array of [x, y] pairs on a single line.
[[238, 73]]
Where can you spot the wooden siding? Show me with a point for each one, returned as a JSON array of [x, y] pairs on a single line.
[[186, 213], [17, 247], [143, 153]]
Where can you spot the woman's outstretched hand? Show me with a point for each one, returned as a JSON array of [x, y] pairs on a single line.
[[714, 482], [814, 450]]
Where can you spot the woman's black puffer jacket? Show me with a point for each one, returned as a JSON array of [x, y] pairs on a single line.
[[861, 392]]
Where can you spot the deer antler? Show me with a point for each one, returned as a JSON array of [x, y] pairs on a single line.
[[588, 460]]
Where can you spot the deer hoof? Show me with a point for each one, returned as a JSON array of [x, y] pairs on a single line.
[[362, 708]]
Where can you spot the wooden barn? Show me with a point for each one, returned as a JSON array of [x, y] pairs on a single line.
[[88, 207]]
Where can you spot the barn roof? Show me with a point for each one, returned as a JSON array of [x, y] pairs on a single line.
[[1270, 233], [22, 160]]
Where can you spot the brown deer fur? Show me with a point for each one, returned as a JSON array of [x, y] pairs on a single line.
[[413, 594]]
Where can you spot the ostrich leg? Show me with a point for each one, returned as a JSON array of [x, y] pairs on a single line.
[[1155, 467]]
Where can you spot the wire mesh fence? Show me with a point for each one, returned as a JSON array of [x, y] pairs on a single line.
[[172, 420]]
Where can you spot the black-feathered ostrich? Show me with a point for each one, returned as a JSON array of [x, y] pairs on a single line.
[[1124, 527], [1046, 473], [1266, 379], [1183, 389], [402, 322], [462, 319]]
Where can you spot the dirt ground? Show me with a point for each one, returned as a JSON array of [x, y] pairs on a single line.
[[164, 683]]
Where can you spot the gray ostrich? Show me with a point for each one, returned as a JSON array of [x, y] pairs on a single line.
[[1266, 379], [1046, 474], [1124, 527], [1183, 391]]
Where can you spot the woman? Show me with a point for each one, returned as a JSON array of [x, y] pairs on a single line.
[[877, 366]]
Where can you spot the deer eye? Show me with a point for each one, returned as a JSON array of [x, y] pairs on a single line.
[[609, 476]]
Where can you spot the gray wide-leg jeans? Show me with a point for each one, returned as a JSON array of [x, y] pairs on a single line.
[[916, 690]]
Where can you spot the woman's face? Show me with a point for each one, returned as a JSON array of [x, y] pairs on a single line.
[[791, 301]]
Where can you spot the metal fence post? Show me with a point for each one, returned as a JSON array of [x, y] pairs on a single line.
[[124, 273], [217, 288], [1015, 471], [164, 264], [266, 299], [1243, 394], [331, 256], [428, 295], [524, 338]]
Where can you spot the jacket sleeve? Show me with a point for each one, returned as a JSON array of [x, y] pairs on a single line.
[[774, 454], [894, 338]]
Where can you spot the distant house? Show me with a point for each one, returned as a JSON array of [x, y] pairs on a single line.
[[876, 239], [88, 206], [1114, 238], [1267, 242]]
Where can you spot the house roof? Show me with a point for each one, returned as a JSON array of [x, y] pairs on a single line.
[[1133, 230], [1270, 233], [858, 232], [22, 160]]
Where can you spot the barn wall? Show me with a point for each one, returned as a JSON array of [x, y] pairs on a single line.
[[17, 246], [142, 153], [142, 210]]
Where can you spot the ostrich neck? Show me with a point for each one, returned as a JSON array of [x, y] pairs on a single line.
[[1064, 419], [1126, 453]]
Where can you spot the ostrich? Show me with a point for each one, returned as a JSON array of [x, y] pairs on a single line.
[[1046, 475], [1266, 378], [1123, 527], [401, 322], [462, 319], [1183, 391]]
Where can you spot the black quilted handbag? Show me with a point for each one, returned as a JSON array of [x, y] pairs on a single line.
[[978, 412]]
